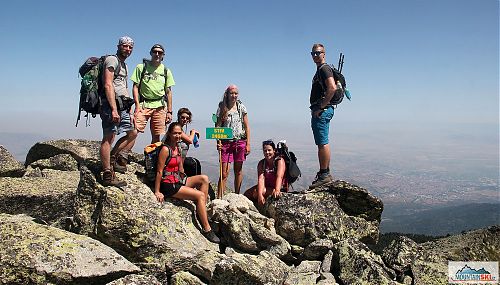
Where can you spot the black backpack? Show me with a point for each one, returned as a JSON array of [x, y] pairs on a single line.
[[292, 171], [91, 89], [338, 96]]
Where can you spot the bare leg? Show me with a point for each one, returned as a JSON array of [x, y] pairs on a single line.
[[199, 182], [188, 193], [124, 142], [105, 150], [222, 182], [238, 176], [324, 156]]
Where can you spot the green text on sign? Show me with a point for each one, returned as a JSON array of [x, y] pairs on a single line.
[[219, 133]]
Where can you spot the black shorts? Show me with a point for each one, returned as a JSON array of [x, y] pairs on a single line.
[[169, 189]]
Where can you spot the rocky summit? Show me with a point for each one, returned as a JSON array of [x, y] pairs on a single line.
[[59, 225]]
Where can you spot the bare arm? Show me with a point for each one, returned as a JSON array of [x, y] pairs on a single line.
[[261, 187], [247, 131], [168, 95], [109, 90], [280, 173], [162, 157]]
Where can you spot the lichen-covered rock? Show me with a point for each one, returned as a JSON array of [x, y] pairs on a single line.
[[246, 269], [244, 228], [307, 272], [9, 166], [317, 249], [204, 264], [131, 221], [357, 201], [136, 279], [304, 218], [64, 162], [399, 255], [354, 263], [431, 261], [37, 254], [49, 197], [80, 150], [185, 278]]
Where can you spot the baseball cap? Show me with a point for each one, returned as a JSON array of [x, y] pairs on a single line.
[[158, 46]]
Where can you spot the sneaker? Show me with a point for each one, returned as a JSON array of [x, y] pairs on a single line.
[[321, 179], [109, 179], [117, 165], [210, 235]]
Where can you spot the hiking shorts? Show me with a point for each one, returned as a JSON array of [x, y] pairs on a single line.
[[234, 151], [157, 116], [170, 189], [321, 126], [108, 127]]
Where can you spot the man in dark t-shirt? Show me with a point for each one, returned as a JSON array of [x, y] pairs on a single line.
[[322, 90]]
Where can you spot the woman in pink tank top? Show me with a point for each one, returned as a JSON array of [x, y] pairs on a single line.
[[271, 180]]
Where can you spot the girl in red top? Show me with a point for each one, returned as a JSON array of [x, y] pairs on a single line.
[[271, 178], [171, 182]]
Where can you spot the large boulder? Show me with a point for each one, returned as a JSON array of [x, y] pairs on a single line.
[[37, 254], [399, 256], [247, 269], [9, 166], [64, 162], [354, 263], [304, 218], [49, 197], [244, 228], [131, 221], [80, 150]]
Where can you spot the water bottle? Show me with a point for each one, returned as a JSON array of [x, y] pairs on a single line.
[[196, 142]]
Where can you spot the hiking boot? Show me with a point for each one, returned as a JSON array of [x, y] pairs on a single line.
[[116, 164], [210, 235], [321, 179], [109, 179]]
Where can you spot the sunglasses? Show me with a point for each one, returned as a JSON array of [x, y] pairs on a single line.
[[185, 117], [316, 53]]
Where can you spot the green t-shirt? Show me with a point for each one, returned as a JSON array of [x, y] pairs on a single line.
[[153, 84]]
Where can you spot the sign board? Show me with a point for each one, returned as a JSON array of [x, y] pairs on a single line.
[[219, 133]]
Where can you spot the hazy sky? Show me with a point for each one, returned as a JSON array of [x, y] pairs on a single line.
[[408, 64]]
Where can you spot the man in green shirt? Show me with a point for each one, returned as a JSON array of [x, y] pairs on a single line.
[[153, 94]]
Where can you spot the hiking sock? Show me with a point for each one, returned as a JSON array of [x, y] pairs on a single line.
[[324, 171]]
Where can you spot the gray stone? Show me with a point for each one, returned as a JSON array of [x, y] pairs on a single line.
[[244, 228], [185, 278], [354, 263], [37, 254], [326, 278], [399, 255], [246, 269], [63, 162], [304, 218], [317, 249], [326, 265], [9, 166], [139, 227], [50, 197], [136, 279]]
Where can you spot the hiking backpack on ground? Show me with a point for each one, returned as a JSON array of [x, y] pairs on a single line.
[[192, 166], [92, 88], [292, 171], [151, 154]]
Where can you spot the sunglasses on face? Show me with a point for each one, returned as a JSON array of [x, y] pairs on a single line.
[[185, 117], [316, 53]]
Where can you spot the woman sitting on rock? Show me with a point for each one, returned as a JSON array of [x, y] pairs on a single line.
[[271, 178], [171, 182]]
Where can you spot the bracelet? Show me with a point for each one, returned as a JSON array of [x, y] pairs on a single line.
[[169, 112]]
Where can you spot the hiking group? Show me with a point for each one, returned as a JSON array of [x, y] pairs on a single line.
[[105, 92]]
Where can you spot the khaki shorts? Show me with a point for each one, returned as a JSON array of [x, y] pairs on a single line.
[[157, 124]]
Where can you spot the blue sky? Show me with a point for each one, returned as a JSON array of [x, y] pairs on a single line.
[[410, 65]]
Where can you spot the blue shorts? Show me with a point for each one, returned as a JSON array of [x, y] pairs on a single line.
[[321, 126], [108, 127]]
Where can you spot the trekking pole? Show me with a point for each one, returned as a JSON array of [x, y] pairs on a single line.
[[219, 187], [341, 62]]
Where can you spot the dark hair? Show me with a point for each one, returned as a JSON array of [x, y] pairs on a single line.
[[171, 129], [269, 142], [186, 111], [224, 104]]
